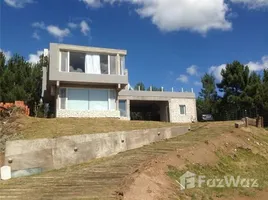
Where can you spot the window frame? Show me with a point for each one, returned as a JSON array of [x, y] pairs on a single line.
[[184, 109], [88, 90]]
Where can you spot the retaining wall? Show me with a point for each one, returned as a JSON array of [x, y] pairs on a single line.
[[27, 156]]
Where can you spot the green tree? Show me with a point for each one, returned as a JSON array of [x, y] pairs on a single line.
[[235, 79], [207, 100], [154, 88], [140, 86]]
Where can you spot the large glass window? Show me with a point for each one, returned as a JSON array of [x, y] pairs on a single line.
[[98, 99], [77, 62], [91, 63], [104, 64], [63, 98], [112, 64], [64, 61], [122, 108], [112, 101], [122, 65], [77, 99]]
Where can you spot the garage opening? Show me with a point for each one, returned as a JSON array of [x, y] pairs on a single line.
[[149, 110]]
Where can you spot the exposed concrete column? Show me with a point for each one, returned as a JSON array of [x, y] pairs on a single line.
[[128, 108], [57, 98]]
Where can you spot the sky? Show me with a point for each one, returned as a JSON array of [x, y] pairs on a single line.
[[170, 43]]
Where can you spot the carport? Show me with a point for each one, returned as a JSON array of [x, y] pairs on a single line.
[[149, 110]]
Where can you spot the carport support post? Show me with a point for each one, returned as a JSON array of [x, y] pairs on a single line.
[[128, 109]]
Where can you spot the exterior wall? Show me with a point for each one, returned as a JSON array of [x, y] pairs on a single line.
[[154, 95], [88, 113], [47, 154], [174, 108]]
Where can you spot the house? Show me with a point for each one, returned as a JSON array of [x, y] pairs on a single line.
[[93, 82]]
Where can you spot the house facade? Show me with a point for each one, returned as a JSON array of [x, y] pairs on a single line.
[[93, 82]]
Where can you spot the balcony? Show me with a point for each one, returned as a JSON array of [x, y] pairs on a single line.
[[87, 65]]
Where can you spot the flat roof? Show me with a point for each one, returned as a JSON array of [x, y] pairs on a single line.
[[71, 47]]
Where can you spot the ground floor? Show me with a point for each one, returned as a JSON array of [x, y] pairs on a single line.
[[108, 102]]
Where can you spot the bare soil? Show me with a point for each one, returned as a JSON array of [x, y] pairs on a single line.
[[151, 180]]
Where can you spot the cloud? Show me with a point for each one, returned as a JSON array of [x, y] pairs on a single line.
[[7, 54], [92, 3], [52, 30], [18, 3], [182, 78], [40, 25], [252, 4], [192, 70], [253, 66], [36, 35], [197, 83], [175, 15], [84, 27], [258, 66], [57, 32], [216, 71], [34, 58], [72, 25]]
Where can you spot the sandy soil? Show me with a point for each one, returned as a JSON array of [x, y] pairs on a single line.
[[150, 181]]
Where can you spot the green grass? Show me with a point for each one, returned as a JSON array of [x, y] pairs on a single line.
[[243, 163], [33, 128]]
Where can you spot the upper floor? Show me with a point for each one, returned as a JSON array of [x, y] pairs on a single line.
[[87, 65]]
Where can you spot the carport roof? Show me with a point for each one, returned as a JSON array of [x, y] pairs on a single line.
[[154, 95]]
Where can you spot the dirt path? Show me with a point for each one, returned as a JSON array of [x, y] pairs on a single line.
[[136, 174]]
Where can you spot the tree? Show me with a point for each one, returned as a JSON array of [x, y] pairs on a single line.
[[21, 80], [235, 79], [139, 86], [154, 88], [207, 100]]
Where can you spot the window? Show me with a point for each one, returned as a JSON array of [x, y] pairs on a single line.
[[77, 62], [122, 108], [77, 99], [98, 99], [182, 109], [63, 98], [64, 61], [91, 63], [112, 100], [104, 64], [112, 64], [122, 65]]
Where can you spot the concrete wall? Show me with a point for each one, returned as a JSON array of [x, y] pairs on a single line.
[[56, 75], [87, 113], [191, 112], [47, 154], [154, 95]]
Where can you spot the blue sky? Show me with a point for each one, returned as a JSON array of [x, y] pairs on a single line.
[[170, 43]]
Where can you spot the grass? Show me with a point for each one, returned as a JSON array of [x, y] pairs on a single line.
[[33, 128], [244, 164]]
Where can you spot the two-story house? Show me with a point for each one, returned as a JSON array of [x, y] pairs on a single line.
[[93, 82]]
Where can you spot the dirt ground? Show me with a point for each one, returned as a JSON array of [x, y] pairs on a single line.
[[151, 181]]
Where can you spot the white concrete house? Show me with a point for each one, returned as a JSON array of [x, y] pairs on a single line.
[[93, 82]]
